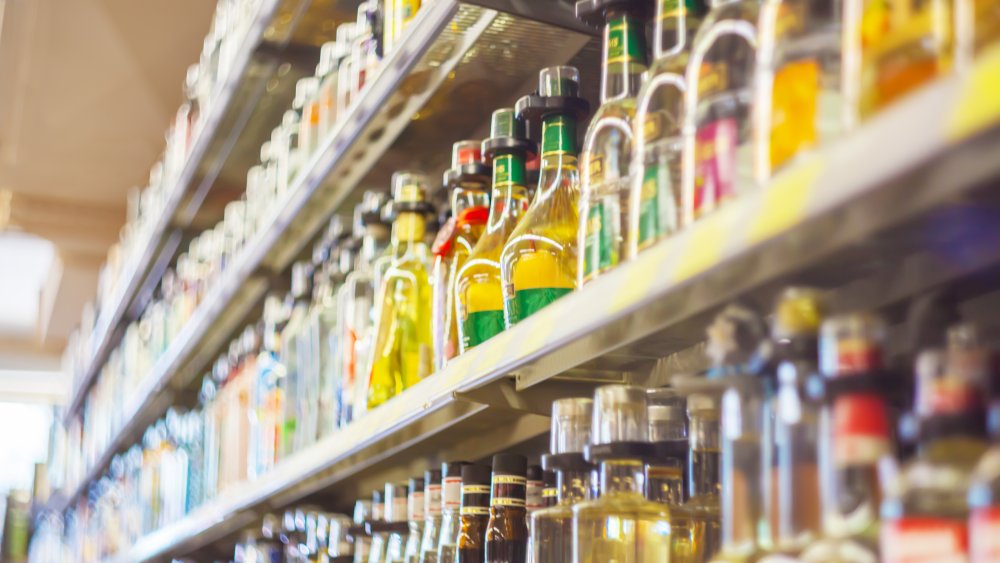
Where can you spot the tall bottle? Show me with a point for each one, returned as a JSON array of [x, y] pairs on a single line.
[[402, 353], [507, 530], [621, 525], [451, 505], [376, 528], [433, 514], [322, 323], [468, 180], [478, 287], [552, 528], [538, 263], [655, 198], [668, 434], [534, 490], [855, 438], [698, 519], [550, 491], [718, 156], [396, 521], [269, 393], [416, 513], [925, 511], [475, 514], [362, 540], [607, 147], [292, 353], [984, 489]]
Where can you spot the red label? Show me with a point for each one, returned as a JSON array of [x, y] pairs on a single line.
[[861, 427], [442, 242], [924, 540], [857, 356], [984, 535], [715, 164]]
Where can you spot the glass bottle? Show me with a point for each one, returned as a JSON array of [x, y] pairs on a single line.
[[607, 146], [468, 181], [535, 486], [552, 528], [432, 510], [339, 546], [363, 512], [269, 392], [984, 489], [416, 513], [376, 528], [668, 434], [925, 510], [478, 288], [538, 263], [451, 504], [364, 55], [507, 530], [620, 525], [550, 489], [402, 353], [322, 322], [475, 514], [717, 130], [328, 87], [855, 439], [697, 521], [298, 391], [396, 518]]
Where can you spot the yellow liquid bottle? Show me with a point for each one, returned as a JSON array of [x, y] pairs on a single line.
[[699, 517], [478, 287], [468, 180], [607, 146], [538, 263], [402, 354]]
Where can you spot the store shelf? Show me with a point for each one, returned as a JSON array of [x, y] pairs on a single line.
[[922, 215]]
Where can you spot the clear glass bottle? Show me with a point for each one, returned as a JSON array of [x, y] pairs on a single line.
[[478, 288], [507, 529], [294, 357], [416, 513], [696, 523], [365, 60], [607, 146], [403, 348], [717, 130], [329, 85], [269, 392], [396, 517], [620, 525], [432, 511], [668, 434], [377, 529], [925, 511], [538, 263], [475, 514], [468, 181], [551, 529], [363, 512], [323, 335], [451, 505]]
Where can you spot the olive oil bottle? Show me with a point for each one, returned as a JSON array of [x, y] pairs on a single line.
[[478, 287], [538, 263]]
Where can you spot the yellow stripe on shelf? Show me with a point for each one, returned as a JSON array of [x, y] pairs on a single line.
[[784, 201], [704, 244], [643, 272], [979, 100]]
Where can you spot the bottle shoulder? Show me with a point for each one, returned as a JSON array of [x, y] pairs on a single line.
[[627, 505]]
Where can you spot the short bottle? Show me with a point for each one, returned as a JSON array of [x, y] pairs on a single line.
[[507, 530], [668, 434], [475, 514]]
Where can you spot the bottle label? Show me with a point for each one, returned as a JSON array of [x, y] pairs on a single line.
[[400, 510], [861, 429], [508, 170], [715, 164], [527, 302], [924, 540], [534, 494], [712, 78], [793, 110], [480, 326], [649, 219], [406, 10], [475, 510], [595, 169], [624, 41], [984, 535], [415, 506], [432, 500], [452, 493], [558, 135], [509, 490], [600, 250]]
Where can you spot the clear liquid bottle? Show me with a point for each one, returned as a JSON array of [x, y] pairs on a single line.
[[433, 515], [551, 529], [607, 146], [697, 523], [396, 518], [668, 434], [538, 263], [402, 353], [296, 355], [451, 505], [269, 397], [328, 87], [416, 514], [362, 540], [478, 287], [376, 527], [718, 129], [468, 181], [620, 525]]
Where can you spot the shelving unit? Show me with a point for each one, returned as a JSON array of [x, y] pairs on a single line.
[[924, 214]]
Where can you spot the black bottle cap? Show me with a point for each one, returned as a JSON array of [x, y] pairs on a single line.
[[535, 472], [432, 477], [416, 485], [510, 464], [558, 94], [452, 468], [507, 132], [475, 474], [566, 462], [595, 12], [549, 478], [642, 451], [376, 497]]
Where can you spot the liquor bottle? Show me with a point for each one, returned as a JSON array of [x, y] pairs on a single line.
[[478, 288], [328, 88], [620, 525], [340, 545], [356, 300], [795, 510], [321, 330], [698, 520], [363, 512], [552, 528], [416, 513], [451, 504], [668, 434], [375, 527], [717, 129], [538, 263], [297, 303], [475, 514], [396, 521], [607, 146], [925, 511], [655, 197], [403, 346], [854, 438], [364, 56], [268, 392], [468, 181], [507, 529], [534, 489], [550, 490], [432, 511]]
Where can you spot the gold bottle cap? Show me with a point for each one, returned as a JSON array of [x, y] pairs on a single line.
[[799, 312]]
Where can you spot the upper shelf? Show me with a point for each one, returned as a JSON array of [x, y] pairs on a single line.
[[876, 231]]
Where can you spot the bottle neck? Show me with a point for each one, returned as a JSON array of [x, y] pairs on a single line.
[[373, 243], [509, 197], [409, 228], [558, 151], [624, 57], [704, 460], [463, 198], [622, 476], [572, 486], [674, 29]]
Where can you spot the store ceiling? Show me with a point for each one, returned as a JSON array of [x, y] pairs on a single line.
[[87, 89]]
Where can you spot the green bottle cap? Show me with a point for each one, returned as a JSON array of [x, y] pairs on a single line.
[[559, 81], [505, 123]]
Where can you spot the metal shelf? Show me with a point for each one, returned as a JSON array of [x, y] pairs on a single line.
[[922, 215]]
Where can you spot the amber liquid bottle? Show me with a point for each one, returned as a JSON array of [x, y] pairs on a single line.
[[475, 514], [507, 531]]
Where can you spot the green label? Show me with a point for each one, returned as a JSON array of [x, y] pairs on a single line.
[[649, 220], [624, 41], [670, 9], [480, 326], [529, 301], [508, 169], [558, 135], [600, 249]]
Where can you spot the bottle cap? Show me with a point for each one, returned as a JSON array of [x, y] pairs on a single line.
[[798, 313], [734, 339], [409, 193], [619, 415], [452, 469], [465, 152], [699, 404], [432, 477], [305, 89], [558, 93], [535, 473], [666, 415], [371, 206], [559, 81], [510, 464], [416, 485], [301, 279], [571, 425], [507, 132], [328, 54], [468, 170], [475, 474]]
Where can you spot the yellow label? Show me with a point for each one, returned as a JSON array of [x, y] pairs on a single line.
[[475, 489], [539, 270], [712, 78], [484, 297], [509, 480], [793, 112], [596, 168], [784, 203], [978, 104], [652, 126]]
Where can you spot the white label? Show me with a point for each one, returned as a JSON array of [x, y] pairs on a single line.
[[415, 507], [452, 493], [432, 500]]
